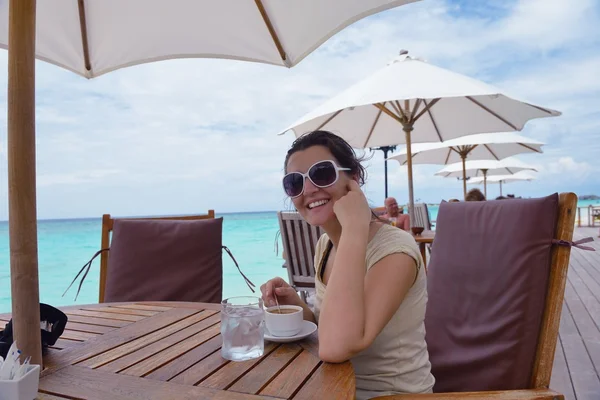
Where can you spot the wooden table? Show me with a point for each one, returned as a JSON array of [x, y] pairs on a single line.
[[171, 350], [424, 238]]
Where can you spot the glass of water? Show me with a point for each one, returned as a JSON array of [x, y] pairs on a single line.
[[242, 328]]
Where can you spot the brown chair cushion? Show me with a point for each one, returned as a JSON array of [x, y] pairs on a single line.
[[165, 260], [487, 282]]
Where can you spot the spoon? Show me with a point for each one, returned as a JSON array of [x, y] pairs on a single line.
[[277, 302]]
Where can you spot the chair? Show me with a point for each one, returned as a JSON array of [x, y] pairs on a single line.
[[422, 216], [173, 231], [299, 241], [496, 284]]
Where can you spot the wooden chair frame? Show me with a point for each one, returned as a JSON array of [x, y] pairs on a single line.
[[298, 254], [107, 227], [546, 346], [421, 216]]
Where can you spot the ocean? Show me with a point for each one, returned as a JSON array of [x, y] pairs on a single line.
[[64, 246]]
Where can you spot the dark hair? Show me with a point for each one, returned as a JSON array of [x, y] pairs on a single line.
[[475, 195], [341, 150]]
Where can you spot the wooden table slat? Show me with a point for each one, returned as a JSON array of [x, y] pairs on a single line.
[[145, 307], [105, 315], [183, 304], [76, 335], [157, 347], [137, 341], [329, 381], [111, 323], [232, 371], [287, 383], [259, 376], [185, 361], [80, 327], [85, 383], [116, 338], [127, 311], [154, 362], [64, 343], [199, 371]]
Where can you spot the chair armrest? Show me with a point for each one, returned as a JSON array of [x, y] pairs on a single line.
[[528, 394]]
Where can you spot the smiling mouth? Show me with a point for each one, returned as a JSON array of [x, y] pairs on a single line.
[[316, 204]]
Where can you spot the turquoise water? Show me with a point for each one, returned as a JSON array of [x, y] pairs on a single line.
[[65, 245]]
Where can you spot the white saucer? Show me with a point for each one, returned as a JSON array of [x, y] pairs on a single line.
[[308, 328]]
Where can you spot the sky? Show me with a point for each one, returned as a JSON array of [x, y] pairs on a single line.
[[185, 136]]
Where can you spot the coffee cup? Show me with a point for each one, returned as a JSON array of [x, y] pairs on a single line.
[[284, 323]]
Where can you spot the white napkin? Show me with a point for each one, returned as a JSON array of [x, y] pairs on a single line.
[[11, 368]]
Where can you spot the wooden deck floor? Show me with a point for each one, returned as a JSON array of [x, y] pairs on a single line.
[[576, 371]]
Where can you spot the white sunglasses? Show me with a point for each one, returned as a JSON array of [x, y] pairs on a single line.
[[322, 174]]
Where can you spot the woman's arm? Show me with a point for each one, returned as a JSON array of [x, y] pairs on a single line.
[[356, 307]]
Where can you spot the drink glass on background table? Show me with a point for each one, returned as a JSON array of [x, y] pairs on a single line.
[[242, 328]]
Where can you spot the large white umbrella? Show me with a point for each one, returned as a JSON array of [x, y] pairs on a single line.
[[429, 103], [93, 37], [485, 146], [518, 177], [485, 168]]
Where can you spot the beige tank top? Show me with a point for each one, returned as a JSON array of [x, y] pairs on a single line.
[[397, 361]]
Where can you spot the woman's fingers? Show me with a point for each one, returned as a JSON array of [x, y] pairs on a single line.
[[284, 291], [276, 287]]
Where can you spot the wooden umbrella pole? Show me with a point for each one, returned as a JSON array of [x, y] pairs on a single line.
[[411, 200], [484, 182], [21, 179], [464, 158]]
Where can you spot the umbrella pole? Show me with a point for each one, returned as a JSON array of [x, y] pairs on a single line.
[[500, 188], [385, 153], [464, 157], [385, 150], [21, 179], [484, 182], [411, 200]]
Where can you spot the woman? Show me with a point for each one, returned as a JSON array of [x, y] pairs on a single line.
[[370, 283]]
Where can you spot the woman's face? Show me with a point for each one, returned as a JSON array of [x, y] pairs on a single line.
[[316, 204]]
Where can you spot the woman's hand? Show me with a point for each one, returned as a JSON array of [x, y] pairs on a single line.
[[352, 210], [285, 293]]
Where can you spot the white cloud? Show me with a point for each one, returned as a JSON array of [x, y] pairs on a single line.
[[569, 168]]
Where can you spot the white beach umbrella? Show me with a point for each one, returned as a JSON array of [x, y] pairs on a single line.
[[485, 146], [518, 177], [426, 102], [93, 37], [484, 168]]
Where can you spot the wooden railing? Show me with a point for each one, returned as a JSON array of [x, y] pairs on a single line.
[[590, 214]]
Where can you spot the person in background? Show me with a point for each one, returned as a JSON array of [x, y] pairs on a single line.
[[395, 214], [475, 195]]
